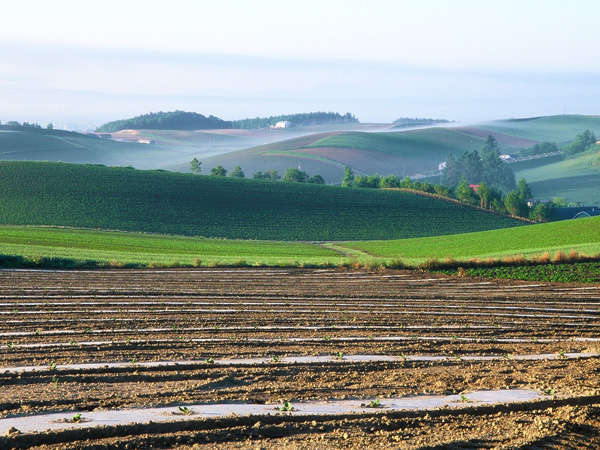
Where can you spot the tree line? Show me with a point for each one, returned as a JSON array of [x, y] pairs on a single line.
[[302, 119], [183, 120], [482, 195], [291, 175]]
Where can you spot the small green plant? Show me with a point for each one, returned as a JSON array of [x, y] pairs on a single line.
[[464, 398], [372, 404], [286, 407], [133, 360], [339, 355], [210, 361], [76, 418], [562, 354], [11, 345], [52, 366], [55, 380], [549, 391], [185, 411]]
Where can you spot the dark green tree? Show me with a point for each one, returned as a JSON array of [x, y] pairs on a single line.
[[542, 212], [464, 192], [391, 181], [295, 175], [484, 196], [237, 172], [514, 204], [218, 171], [348, 180], [582, 142], [316, 179], [523, 189], [195, 166]]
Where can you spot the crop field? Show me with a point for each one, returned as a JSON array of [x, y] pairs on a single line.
[[165, 202], [276, 358], [581, 235]]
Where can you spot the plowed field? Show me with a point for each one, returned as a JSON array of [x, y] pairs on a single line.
[[400, 359]]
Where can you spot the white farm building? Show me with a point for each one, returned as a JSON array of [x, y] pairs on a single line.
[[282, 124]]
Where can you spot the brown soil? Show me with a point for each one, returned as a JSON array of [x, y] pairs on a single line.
[[209, 300]]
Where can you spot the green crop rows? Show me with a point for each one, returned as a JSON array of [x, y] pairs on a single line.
[[562, 273], [164, 202]]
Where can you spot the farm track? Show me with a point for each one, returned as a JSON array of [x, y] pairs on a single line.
[[479, 333]]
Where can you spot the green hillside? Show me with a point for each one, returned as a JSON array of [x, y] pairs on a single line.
[[165, 202], [47, 145], [575, 179], [172, 120], [398, 153], [587, 163], [138, 248], [560, 129], [581, 234]]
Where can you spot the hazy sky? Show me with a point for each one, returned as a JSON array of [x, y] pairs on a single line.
[[86, 62]]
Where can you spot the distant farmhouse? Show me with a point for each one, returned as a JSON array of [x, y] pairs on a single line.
[[282, 124], [507, 157]]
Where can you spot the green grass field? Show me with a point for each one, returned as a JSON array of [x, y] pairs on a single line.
[[575, 179], [139, 248], [587, 163], [582, 235], [172, 203], [559, 129]]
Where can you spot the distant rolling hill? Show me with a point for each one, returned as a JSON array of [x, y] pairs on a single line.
[[88, 196], [420, 151], [559, 129], [400, 153], [47, 145], [574, 179], [170, 148]]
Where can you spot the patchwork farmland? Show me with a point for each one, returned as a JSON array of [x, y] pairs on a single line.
[[295, 357]]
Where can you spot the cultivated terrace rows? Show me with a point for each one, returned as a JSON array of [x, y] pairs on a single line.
[[83, 341]]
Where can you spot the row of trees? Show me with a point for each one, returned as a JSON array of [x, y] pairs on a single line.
[[291, 175], [183, 120], [302, 119], [482, 195], [173, 120], [582, 142], [13, 124]]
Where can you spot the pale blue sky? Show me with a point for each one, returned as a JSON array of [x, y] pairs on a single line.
[[84, 62]]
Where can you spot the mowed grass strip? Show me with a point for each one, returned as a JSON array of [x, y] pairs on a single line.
[[84, 196], [582, 235], [139, 248]]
